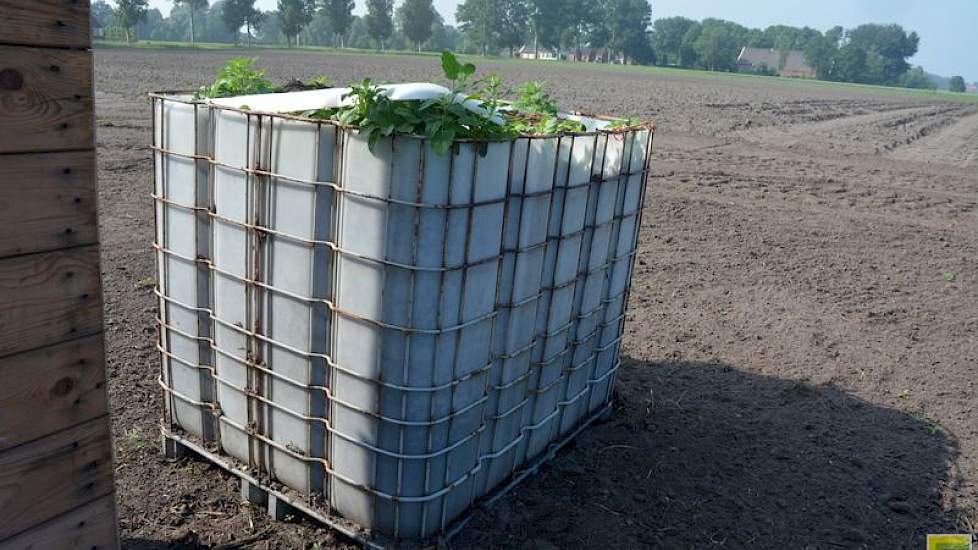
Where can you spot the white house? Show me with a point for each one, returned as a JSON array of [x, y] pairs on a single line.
[[530, 52]]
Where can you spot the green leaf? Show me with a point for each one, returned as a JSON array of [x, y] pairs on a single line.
[[372, 138], [450, 65]]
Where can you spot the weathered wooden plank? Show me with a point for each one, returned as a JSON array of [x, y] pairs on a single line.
[[44, 479], [52, 388], [49, 297], [45, 99], [47, 201], [60, 23], [90, 527]]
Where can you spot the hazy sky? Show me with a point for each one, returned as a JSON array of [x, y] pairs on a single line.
[[948, 29]]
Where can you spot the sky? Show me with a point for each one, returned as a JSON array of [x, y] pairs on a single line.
[[948, 29]]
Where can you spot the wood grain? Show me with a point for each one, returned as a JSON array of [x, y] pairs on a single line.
[[47, 201], [45, 99], [61, 23], [51, 476], [89, 527], [49, 297], [50, 389]]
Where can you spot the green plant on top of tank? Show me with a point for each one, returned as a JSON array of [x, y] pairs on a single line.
[[320, 82], [238, 77], [476, 110], [622, 123], [441, 120], [535, 100]]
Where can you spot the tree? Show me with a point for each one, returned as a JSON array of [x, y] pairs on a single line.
[[886, 48], [293, 15], [380, 20], [241, 13], [193, 6], [917, 78], [129, 13], [956, 84], [444, 37], [821, 52], [583, 18], [628, 25], [511, 23], [547, 19], [215, 28], [718, 44], [477, 19], [102, 12], [417, 17], [340, 14], [667, 37], [850, 65], [687, 49]]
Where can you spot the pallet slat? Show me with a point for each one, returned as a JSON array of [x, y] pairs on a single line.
[[49, 297], [62, 23], [50, 389], [47, 201], [90, 527], [51, 476], [45, 99]]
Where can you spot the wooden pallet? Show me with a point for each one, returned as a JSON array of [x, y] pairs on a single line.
[[281, 506]]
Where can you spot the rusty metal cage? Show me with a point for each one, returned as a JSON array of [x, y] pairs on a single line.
[[391, 334]]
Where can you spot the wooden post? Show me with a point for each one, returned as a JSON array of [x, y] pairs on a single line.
[[55, 443]]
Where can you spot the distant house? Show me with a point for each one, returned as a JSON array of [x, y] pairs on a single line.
[[598, 55], [589, 55], [970, 88], [795, 64], [530, 52]]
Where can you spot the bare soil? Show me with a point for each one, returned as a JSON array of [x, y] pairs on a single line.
[[802, 345]]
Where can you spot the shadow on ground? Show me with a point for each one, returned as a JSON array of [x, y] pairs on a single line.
[[708, 456]]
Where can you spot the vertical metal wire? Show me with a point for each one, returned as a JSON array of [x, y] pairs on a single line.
[[385, 270], [584, 259], [251, 351], [458, 333], [560, 243], [166, 364], [593, 360], [519, 232], [643, 187], [316, 473], [486, 375], [406, 367], [497, 364], [610, 260], [544, 337], [439, 324], [338, 202], [212, 323], [263, 263]]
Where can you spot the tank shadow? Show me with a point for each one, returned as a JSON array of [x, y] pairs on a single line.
[[703, 455]]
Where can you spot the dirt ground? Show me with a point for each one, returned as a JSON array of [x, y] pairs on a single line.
[[802, 345]]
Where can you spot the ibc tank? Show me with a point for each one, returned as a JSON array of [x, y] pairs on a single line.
[[391, 334]]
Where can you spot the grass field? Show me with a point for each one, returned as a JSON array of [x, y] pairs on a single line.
[[640, 69]]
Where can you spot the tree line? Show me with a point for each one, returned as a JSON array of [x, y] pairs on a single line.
[[413, 24], [621, 29]]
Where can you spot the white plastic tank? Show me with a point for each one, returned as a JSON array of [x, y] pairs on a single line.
[[390, 333]]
